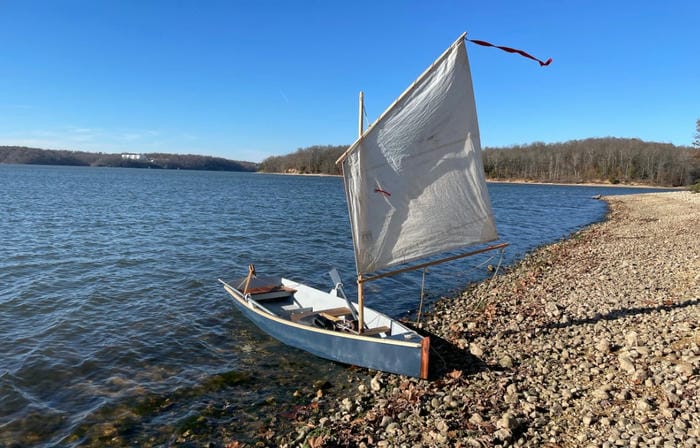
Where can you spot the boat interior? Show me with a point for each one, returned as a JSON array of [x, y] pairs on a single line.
[[309, 306]]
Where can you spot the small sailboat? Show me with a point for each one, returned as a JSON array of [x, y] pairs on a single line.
[[415, 188]]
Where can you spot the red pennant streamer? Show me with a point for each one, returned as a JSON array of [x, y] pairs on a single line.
[[512, 50]]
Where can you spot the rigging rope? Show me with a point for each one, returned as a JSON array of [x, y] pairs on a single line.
[[481, 302], [422, 295], [465, 272]]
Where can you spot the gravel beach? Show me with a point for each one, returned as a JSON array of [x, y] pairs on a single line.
[[592, 341]]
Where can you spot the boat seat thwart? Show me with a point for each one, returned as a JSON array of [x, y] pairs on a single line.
[[269, 293], [377, 330], [265, 292], [332, 314], [336, 315]]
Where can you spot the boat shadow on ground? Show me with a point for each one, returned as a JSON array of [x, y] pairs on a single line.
[[446, 357], [618, 314]]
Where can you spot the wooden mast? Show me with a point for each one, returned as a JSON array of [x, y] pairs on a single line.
[[360, 118], [360, 282]]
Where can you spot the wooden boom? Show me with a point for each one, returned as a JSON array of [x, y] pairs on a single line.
[[361, 279]]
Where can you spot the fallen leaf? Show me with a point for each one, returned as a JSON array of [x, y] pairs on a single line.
[[455, 374], [315, 442]]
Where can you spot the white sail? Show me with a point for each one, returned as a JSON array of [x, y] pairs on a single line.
[[415, 181]]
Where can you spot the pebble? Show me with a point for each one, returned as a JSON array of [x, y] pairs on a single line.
[[643, 405], [631, 339], [506, 362], [476, 419], [601, 394], [626, 363], [603, 345], [507, 421]]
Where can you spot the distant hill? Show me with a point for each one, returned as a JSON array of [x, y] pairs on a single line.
[[37, 156], [596, 160]]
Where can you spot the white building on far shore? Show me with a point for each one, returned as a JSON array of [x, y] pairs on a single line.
[[129, 156]]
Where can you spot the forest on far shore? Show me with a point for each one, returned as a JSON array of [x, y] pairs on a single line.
[[595, 160], [37, 156]]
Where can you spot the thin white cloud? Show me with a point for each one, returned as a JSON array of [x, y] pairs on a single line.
[[130, 137], [284, 97], [16, 106], [83, 138], [83, 130]]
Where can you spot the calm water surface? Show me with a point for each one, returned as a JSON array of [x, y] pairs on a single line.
[[114, 330]]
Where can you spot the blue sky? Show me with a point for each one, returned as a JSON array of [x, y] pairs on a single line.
[[245, 80]]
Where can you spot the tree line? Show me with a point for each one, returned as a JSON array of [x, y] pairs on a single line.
[[37, 156], [318, 159], [614, 160]]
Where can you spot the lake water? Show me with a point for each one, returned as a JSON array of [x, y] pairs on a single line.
[[115, 331]]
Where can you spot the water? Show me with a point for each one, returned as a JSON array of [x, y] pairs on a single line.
[[115, 331]]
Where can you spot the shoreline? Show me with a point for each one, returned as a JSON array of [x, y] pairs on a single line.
[[519, 182], [585, 184], [590, 341], [300, 174]]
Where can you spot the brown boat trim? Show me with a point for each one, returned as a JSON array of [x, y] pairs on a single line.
[[424, 357]]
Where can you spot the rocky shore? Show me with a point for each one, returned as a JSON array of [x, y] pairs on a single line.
[[592, 341]]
